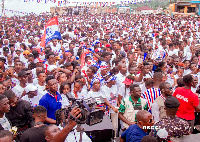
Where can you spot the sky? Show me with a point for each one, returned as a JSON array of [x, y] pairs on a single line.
[[33, 6]]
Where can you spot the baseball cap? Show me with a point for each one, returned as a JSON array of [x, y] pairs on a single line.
[[127, 81], [171, 102], [6, 49], [26, 52], [30, 88]]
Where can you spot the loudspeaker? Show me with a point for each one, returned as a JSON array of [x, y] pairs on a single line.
[[100, 132]]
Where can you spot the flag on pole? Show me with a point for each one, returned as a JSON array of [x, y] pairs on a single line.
[[51, 31]]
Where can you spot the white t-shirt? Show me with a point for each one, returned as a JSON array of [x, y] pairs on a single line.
[[74, 136], [188, 71], [18, 90], [124, 92], [194, 89], [94, 94], [15, 81], [40, 90], [35, 81], [65, 102], [111, 95], [5, 123], [34, 101]]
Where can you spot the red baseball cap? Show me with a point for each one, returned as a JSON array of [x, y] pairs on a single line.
[[127, 81]]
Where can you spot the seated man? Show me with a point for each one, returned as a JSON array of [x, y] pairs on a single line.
[[175, 126], [131, 105], [136, 132]]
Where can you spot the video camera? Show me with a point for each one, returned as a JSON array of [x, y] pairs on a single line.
[[89, 114]]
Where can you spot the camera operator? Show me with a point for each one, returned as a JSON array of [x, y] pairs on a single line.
[[52, 132], [76, 134]]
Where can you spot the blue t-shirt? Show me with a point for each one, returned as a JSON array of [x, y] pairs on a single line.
[[51, 103], [154, 67], [133, 134]]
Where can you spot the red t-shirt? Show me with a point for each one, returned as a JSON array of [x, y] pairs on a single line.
[[188, 100]]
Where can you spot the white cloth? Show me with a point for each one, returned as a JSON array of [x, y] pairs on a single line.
[[40, 90], [94, 94], [74, 136], [155, 112], [120, 78], [188, 71], [123, 92], [18, 90], [5, 123], [111, 95], [65, 102], [34, 101]]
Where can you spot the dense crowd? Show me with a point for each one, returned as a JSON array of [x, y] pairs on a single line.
[[146, 67]]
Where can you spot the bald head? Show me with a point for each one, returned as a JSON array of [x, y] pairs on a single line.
[[142, 115]]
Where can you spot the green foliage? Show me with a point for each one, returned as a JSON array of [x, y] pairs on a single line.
[[154, 4]]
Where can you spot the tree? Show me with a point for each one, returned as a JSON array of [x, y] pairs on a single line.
[[154, 4]]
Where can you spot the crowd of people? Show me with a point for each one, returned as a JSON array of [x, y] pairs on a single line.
[[146, 67]]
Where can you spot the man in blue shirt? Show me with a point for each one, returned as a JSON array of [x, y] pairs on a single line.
[[136, 132], [52, 99]]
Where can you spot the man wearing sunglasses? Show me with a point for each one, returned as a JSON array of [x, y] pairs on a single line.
[[158, 110]]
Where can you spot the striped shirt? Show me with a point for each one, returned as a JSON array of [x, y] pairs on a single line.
[[150, 95]]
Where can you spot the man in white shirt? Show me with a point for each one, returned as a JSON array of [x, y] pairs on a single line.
[[41, 76], [55, 47], [31, 95], [19, 89]]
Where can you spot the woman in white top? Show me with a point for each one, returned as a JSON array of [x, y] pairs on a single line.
[[61, 77], [96, 92], [65, 88]]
